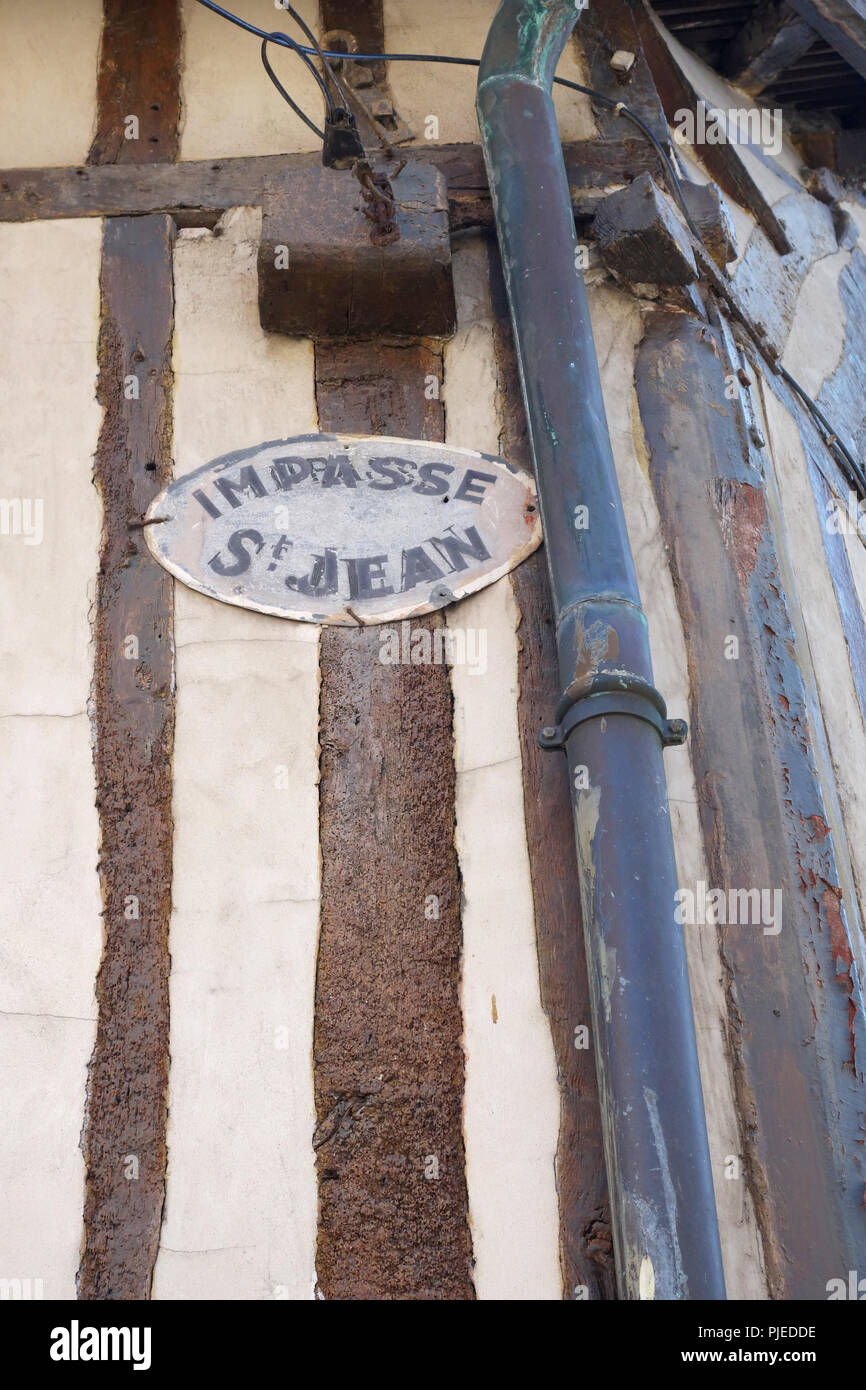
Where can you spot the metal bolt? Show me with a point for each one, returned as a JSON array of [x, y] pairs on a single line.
[[548, 732]]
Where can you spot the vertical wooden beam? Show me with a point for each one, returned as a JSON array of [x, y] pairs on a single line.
[[387, 1053], [138, 86], [602, 31], [363, 18], [133, 697], [133, 685], [796, 1025], [366, 83], [585, 1241]]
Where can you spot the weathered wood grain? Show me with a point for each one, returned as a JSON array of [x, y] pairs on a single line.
[[842, 23], [124, 1136], [197, 191], [795, 1007], [133, 695], [773, 39], [362, 18], [366, 84], [388, 1062], [602, 30], [139, 75]]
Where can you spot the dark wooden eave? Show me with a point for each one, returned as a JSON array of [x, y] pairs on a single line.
[[842, 23], [774, 38], [808, 55]]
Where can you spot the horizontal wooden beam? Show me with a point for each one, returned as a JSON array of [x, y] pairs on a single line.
[[196, 192], [767, 46], [842, 23]]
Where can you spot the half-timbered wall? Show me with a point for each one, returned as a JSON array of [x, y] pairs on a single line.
[[243, 1059]]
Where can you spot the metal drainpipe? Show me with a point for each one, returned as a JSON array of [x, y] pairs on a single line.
[[610, 719]]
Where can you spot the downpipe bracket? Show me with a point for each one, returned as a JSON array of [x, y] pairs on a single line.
[[601, 703]]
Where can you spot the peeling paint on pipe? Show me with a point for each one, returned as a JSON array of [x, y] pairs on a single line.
[[663, 1210]]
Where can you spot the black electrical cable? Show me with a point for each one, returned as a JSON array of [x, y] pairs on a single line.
[[832, 440], [284, 94], [325, 54], [314, 72], [289, 42], [408, 58], [622, 110], [284, 39], [323, 57]]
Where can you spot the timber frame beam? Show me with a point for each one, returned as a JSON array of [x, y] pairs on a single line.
[[133, 698], [842, 23], [774, 38], [197, 192]]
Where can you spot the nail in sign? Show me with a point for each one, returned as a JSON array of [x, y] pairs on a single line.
[[329, 528]]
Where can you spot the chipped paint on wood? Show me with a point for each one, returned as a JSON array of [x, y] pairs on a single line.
[[831, 651], [763, 818]]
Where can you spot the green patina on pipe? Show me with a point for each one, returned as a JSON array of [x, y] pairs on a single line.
[[611, 720]]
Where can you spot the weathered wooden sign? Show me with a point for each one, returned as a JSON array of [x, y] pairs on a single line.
[[333, 528]]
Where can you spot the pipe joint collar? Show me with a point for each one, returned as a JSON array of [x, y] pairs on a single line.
[[623, 695]]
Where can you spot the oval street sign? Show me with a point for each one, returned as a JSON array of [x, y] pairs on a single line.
[[331, 528]]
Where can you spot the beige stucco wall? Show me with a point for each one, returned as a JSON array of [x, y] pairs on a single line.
[[433, 89], [229, 104], [816, 339], [50, 924], [241, 1201], [240, 1213], [512, 1097], [48, 92]]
